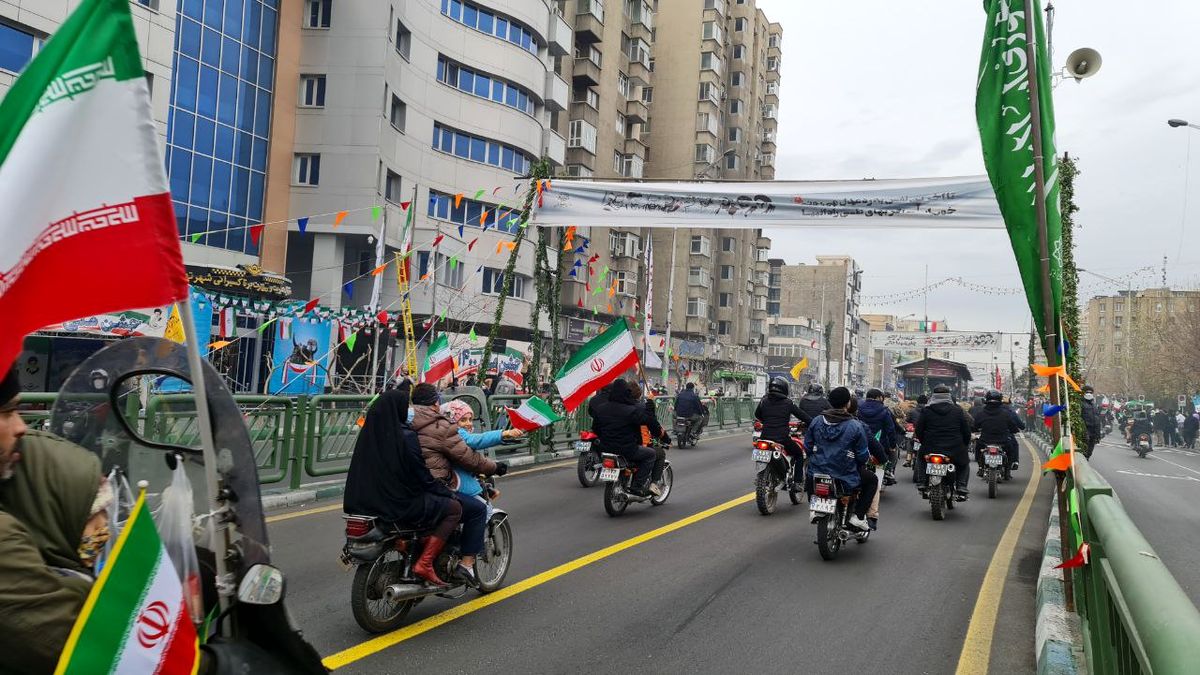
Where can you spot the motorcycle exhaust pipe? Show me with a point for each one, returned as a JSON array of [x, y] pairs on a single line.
[[403, 592]]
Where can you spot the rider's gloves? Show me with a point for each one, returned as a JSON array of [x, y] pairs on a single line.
[[501, 468]]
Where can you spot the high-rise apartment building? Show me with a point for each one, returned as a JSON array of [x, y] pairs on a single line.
[[828, 292], [436, 105], [1117, 351]]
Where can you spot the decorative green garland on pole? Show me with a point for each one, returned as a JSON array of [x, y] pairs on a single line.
[[1067, 171]]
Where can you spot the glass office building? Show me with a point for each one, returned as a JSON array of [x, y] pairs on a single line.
[[220, 119]]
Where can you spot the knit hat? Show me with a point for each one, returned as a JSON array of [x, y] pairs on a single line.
[[425, 394], [839, 397], [456, 409], [10, 386]]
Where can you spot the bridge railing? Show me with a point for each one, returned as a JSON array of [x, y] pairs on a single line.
[[299, 438], [1135, 616]]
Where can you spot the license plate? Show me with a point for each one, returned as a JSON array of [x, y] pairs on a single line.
[[583, 446], [993, 460], [822, 505], [762, 455], [609, 475], [908, 434], [937, 469]]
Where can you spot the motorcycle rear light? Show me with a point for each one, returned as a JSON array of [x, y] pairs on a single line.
[[935, 459], [822, 490], [610, 463], [587, 436], [762, 445], [357, 528]]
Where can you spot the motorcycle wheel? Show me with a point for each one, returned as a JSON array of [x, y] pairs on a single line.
[[794, 495], [613, 504], [1141, 453], [765, 495], [828, 541], [588, 469], [992, 484], [937, 502], [371, 611], [668, 479], [498, 549]]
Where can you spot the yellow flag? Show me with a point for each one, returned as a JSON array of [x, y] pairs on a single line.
[[799, 368], [174, 329]]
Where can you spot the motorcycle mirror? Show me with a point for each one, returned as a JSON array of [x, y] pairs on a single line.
[[262, 585]]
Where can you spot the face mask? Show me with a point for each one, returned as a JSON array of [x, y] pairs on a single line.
[[1088, 397], [411, 414]]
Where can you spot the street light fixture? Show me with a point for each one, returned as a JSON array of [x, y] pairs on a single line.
[[1176, 122]]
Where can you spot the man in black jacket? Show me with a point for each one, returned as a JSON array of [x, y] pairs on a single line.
[[882, 426], [618, 420], [814, 402], [915, 414], [776, 411], [688, 406], [996, 424], [945, 428], [1092, 421]]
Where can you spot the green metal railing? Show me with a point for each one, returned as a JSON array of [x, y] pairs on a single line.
[[326, 438], [1135, 616]]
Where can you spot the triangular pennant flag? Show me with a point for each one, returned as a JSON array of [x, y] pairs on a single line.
[[499, 245], [483, 216], [458, 200], [478, 269], [219, 344], [196, 237], [348, 289], [579, 302], [472, 244], [375, 212], [1046, 371], [472, 337], [263, 326], [1080, 559], [1049, 422], [579, 250], [453, 263], [302, 223], [351, 339], [256, 233], [1052, 410], [438, 239], [578, 263], [311, 305], [1044, 389], [610, 308], [1064, 348], [478, 194], [379, 270], [443, 316], [337, 220], [404, 205], [460, 231], [382, 317]]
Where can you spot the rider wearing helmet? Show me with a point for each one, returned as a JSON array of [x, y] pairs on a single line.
[[776, 411], [814, 402], [945, 428], [1091, 421], [996, 423]]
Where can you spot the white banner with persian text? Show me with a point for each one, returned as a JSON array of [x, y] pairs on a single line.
[[958, 202], [949, 340]]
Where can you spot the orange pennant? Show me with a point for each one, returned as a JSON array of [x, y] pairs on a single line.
[[499, 245], [337, 220], [1060, 462], [483, 217], [1046, 371], [610, 308], [1044, 389], [219, 344], [379, 270], [458, 200], [1071, 382], [361, 421], [510, 245], [539, 187]]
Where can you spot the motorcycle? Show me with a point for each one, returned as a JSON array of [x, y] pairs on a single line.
[[617, 475], [775, 469], [914, 448], [587, 469], [98, 409], [1143, 444], [994, 467], [757, 431], [939, 472], [685, 432], [829, 509], [385, 589]]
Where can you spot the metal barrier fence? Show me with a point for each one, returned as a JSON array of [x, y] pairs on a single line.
[[295, 438]]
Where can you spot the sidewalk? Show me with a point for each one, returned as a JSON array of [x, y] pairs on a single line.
[[278, 498]]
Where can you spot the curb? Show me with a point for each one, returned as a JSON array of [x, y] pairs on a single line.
[[1058, 642], [276, 499]]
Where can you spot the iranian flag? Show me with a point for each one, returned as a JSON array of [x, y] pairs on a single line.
[[439, 362], [533, 413], [82, 183], [597, 363], [135, 619]]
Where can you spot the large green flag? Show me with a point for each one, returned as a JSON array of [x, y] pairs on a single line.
[[1003, 112]]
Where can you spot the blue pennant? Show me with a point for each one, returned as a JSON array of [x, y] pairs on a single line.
[[1051, 410], [460, 231], [574, 274], [578, 263], [348, 289], [302, 223], [1064, 349], [580, 249]]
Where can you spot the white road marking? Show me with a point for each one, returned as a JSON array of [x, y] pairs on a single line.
[[1156, 475], [1174, 464]]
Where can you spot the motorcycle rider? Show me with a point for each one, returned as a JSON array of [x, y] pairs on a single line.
[[688, 407], [776, 411], [996, 424], [617, 419], [882, 425], [814, 403], [1091, 420], [915, 414], [837, 445], [1140, 424], [648, 435], [945, 428]]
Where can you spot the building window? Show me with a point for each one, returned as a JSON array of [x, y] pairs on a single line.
[[712, 31], [620, 125], [482, 85], [1101, 308], [718, 5], [724, 300], [587, 95], [739, 52], [318, 14], [624, 244], [736, 107], [626, 283], [728, 244], [306, 169], [773, 41], [634, 166], [1102, 322], [704, 153], [447, 276], [472, 213], [724, 327], [579, 170], [647, 94], [1117, 321], [735, 134], [731, 162], [738, 79], [398, 113], [581, 135], [698, 276], [403, 39], [726, 272], [1118, 306], [700, 245], [772, 63], [312, 91], [17, 48], [618, 162], [478, 149], [483, 20], [391, 187], [697, 307], [623, 84], [493, 283], [708, 92], [739, 24], [710, 61]]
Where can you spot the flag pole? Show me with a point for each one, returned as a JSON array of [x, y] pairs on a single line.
[[208, 447], [1048, 309]]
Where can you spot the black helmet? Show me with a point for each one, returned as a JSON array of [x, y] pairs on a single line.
[[993, 396], [941, 389], [778, 385], [816, 389]]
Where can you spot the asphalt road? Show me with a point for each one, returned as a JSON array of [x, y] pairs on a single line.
[[1161, 493], [730, 592]]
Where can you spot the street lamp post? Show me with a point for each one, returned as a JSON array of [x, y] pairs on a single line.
[[1176, 122]]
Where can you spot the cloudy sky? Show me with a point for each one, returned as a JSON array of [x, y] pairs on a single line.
[[877, 88]]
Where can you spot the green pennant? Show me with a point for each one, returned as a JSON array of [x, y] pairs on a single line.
[[443, 317], [263, 326], [478, 195], [1073, 512], [351, 340], [375, 211], [453, 262], [372, 401], [595, 290], [593, 311], [472, 337], [196, 237]]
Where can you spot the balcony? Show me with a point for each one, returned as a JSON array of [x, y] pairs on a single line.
[[588, 28], [640, 31], [557, 92], [560, 36], [639, 73], [582, 157], [637, 111], [635, 146], [707, 124], [586, 73], [585, 112], [772, 75], [554, 146], [768, 141]]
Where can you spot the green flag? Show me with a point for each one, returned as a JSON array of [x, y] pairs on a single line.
[[1003, 113], [375, 211], [351, 340], [196, 237], [472, 337]]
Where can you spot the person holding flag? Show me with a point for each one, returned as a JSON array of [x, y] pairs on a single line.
[[618, 419]]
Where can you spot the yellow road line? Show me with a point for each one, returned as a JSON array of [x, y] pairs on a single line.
[[335, 507], [976, 655], [387, 640]]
